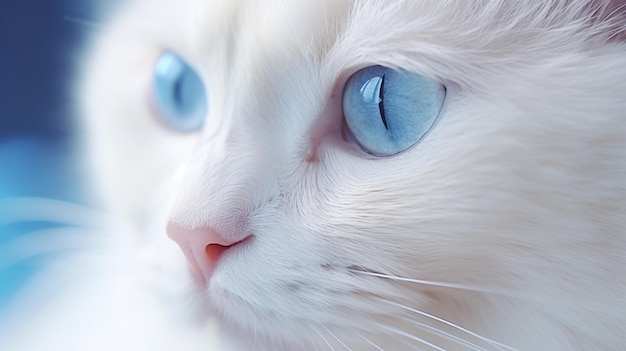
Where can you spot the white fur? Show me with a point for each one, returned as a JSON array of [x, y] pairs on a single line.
[[516, 198]]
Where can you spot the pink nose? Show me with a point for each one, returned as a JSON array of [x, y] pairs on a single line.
[[203, 248]]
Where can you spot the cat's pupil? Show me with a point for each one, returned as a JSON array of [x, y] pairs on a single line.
[[178, 94], [381, 103]]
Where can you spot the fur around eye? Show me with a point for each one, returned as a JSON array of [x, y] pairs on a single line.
[[179, 94], [388, 110]]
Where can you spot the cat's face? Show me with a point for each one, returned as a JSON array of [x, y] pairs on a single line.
[[497, 201]]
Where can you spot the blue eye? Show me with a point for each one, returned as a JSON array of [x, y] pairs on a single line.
[[179, 94], [387, 110]]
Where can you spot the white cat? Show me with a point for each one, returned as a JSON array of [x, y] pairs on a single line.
[[358, 175]]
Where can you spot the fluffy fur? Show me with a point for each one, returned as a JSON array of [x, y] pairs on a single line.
[[504, 229]]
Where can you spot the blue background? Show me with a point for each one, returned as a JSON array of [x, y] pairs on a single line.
[[38, 43]]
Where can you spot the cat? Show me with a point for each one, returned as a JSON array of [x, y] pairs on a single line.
[[351, 175]]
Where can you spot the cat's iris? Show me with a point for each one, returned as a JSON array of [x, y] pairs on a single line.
[[179, 94], [389, 110]]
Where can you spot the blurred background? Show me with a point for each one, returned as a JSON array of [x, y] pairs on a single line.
[[39, 40]]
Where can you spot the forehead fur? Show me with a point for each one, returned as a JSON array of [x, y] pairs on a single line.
[[439, 38]]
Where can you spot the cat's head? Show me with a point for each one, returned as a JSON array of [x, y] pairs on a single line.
[[497, 198]]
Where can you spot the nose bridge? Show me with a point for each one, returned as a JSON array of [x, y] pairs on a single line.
[[224, 181], [209, 187], [215, 196]]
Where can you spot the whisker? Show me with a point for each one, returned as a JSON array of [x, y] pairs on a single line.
[[498, 292], [323, 338], [371, 343], [450, 324], [336, 338], [41, 242], [21, 209], [448, 336], [436, 283], [412, 337]]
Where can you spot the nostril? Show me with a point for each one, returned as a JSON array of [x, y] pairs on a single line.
[[203, 247], [215, 251]]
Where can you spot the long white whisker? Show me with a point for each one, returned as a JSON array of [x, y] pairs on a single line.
[[436, 283], [448, 336], [20, 209], [371, 343], [499, 292], [323, 338], [448, 323], [412, 337], [336, 338], [45, 241]]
